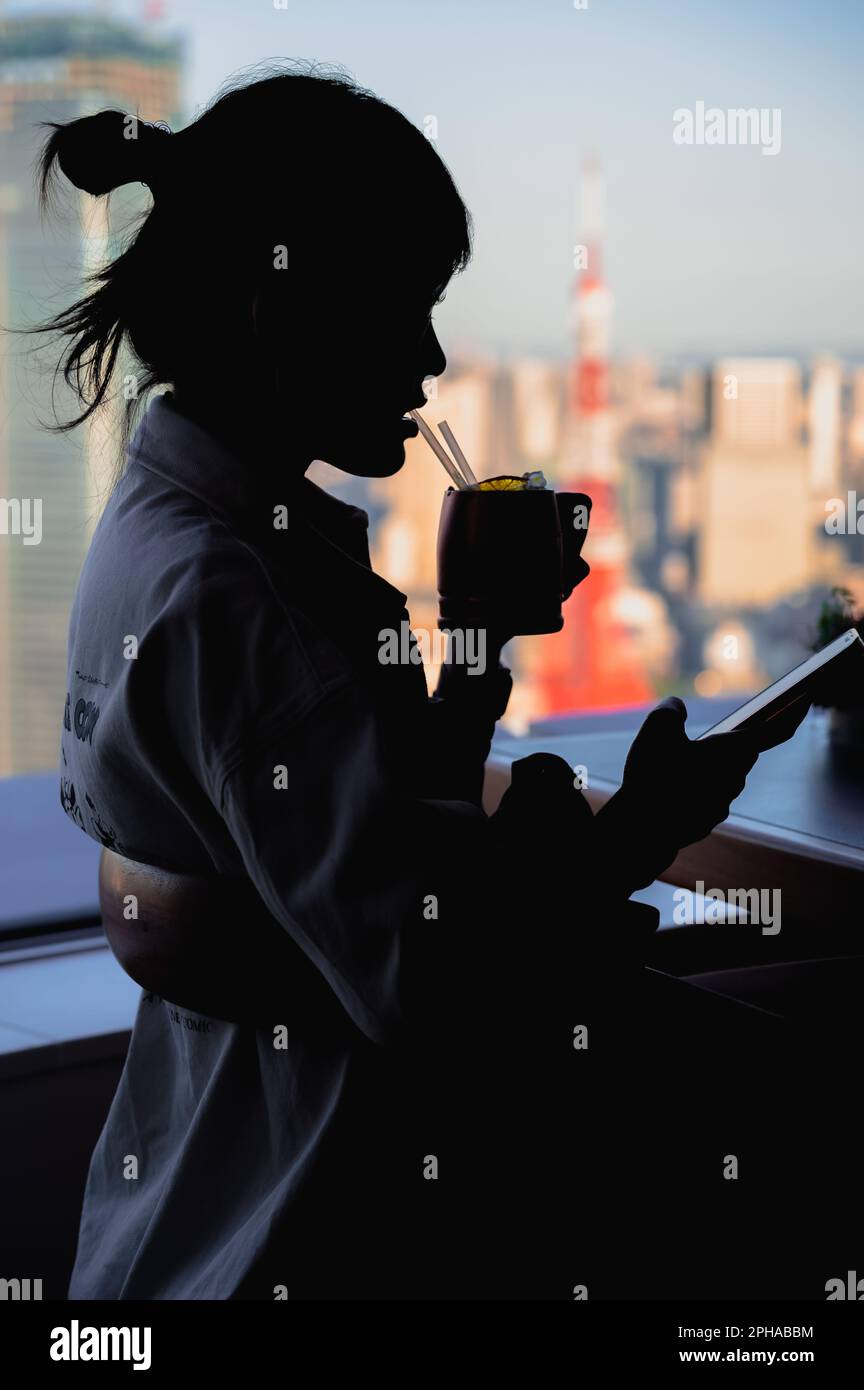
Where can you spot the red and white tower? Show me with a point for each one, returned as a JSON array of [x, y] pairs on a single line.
[[593, 662]]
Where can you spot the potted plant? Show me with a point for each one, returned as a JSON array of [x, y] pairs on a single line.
[[838, 615]]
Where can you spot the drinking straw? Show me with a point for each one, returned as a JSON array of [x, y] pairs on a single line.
[[438, 449], [450, 439]]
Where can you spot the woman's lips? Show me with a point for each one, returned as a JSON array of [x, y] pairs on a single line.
[[410, 427]]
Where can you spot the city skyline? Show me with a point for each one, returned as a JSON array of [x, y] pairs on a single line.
[[673, 461], [714, 251]]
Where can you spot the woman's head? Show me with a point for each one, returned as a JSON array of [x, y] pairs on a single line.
[[300, 234]]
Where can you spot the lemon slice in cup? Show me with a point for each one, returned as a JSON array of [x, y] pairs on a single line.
[[510, 483]]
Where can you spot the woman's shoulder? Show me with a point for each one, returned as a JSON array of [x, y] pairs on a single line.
[[218, 641], [177, 556], [231, 613]]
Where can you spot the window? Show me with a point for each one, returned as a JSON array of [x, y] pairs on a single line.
[[712, 468]]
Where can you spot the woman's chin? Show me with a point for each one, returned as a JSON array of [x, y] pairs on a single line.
[[371, 460]]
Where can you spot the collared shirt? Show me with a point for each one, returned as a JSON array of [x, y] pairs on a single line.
[[228, 713]]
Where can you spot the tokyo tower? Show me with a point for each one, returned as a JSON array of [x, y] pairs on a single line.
[[592, 663]]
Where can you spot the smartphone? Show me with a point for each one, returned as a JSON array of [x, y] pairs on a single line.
[[838, 665]]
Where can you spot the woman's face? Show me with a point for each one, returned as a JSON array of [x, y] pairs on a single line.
[[350, 394]]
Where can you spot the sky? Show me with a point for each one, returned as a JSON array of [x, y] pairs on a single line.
[[709, 249]]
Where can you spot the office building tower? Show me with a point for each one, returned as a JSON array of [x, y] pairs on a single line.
[[54, 68], [824, 427], [754, 513]]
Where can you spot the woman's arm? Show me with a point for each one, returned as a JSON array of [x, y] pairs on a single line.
[[461, 715], [415, 910], [363, 876]]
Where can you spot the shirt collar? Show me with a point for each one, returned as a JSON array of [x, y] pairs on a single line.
[[174, 446]]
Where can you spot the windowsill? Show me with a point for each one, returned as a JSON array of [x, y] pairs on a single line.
[[64, 1000], [61, 1008], [796, 830]]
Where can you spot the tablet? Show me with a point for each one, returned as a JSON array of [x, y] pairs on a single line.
[[839, 666]]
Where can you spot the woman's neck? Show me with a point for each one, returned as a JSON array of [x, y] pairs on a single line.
[[243, 425]]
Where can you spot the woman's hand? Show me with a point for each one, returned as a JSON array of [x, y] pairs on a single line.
[[494, 639], [675, 790]]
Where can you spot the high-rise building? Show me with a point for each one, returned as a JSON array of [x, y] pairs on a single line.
[[824, 426], [756, 403], [54, 68], [855, 433], [754, 511], [539, 399]]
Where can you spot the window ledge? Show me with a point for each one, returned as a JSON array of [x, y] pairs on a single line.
[[62, 1008]]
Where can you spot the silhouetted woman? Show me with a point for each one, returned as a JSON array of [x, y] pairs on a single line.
[[359, 990]]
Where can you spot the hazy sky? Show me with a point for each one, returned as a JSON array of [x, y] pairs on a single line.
[[710, 249]]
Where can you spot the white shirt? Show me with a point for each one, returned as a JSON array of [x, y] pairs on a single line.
[[209, 647]]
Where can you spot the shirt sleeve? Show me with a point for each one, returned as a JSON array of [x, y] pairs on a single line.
[[372, 882]]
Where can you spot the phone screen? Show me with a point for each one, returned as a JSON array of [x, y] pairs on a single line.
[[788, 688]]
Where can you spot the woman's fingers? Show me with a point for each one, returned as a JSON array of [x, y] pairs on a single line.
[[781, 727]]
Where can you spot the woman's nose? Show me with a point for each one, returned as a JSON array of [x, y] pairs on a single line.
[[434, 361]]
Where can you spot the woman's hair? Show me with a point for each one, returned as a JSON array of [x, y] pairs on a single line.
[[297, 186]]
